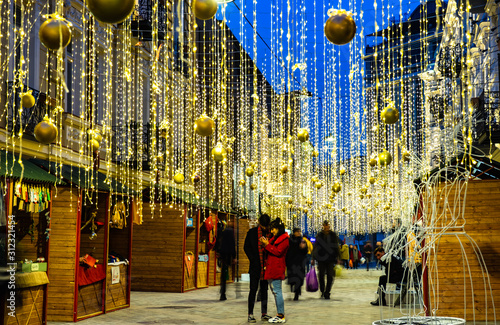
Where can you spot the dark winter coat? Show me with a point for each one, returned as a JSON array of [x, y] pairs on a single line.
[[251, 248], [326, 247], [227, 248], [276, 257], [296, 261], [393, 268]]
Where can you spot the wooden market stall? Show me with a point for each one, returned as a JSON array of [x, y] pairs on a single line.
[[190, 269], [464, 249]]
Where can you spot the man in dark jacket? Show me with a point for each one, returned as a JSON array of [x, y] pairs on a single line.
[[326, 253], [394, 273], [227, 254], [296, 262], [256, 254]]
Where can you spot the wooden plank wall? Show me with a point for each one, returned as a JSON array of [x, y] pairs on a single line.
[[30, 310], [62, 254], [243, 262], [116, 294], [191, 237], [454, 272], [157, 252]]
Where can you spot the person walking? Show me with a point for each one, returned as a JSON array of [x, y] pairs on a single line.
[[310, 248], [344, 255], [367, 252], [295, 262], [227, 255], [256, 254], [276, 249], [326, 253]]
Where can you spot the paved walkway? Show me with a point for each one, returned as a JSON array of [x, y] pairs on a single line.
[[350, 304]]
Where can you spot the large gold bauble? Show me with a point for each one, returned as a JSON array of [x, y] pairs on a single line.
[[179, 178], [45, 131], [336, 187], [94, 145], [406, 156], [55, 33], [315, 153], [249, 171], [384, 158], [340, 28], [319, 185], [284, 168], [111, 11], [219, 153], [372, 180], [372, 162], [27, 99], [204, 126], [342, 171], [389, 115], [303, 135], [204, 9], [242, 182]]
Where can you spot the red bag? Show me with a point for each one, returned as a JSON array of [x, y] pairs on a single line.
[[209, 224]]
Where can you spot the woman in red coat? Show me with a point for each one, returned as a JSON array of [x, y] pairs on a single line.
[[276, 249]]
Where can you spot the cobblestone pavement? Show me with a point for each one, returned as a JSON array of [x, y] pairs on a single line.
[[349, 304]]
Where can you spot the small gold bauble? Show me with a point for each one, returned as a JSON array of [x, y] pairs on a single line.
[[179, 178], [264, 175], [340, 28], [111, 11], [363, 190], [204, 126], [290, 201], [45, 131], [252, 164], [229, 150], [219, 153], [309, 202], [384, 158], [368, 196], [204, 9], [314, 179], [336, 187], [319, 185], [94, 145], [303, 135], [315, 153], [27, 99], [284, 168], [55, 33], [249, 171], [242, 182], [253, 186], [406, 156], [372, 180], [372, 162], [361, 196], [389, 115], [342, 171], [306, 210]]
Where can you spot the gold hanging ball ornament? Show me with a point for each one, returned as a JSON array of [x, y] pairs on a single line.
[[264, 175], [290, 201], [94, 145], [342, 171], [45, 131], [384, 158], [389, 115], [363, 190], [253, 186], [315, 153], [219, 153], [406, 156], [319, 185], [314, 179], [372, 180], [284, 169], [204, 126], [179, 178], [252, 164], [229, 150], [111, 11], [242, 182], [55, 32], [372, 162], [336, 187], [27, 99], [204, 9], [249, 171], [340, 28], [303, 135]]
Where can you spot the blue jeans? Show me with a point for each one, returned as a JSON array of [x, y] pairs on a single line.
[[278, 295]]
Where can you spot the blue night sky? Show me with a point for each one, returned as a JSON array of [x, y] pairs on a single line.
[[314, 49]]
